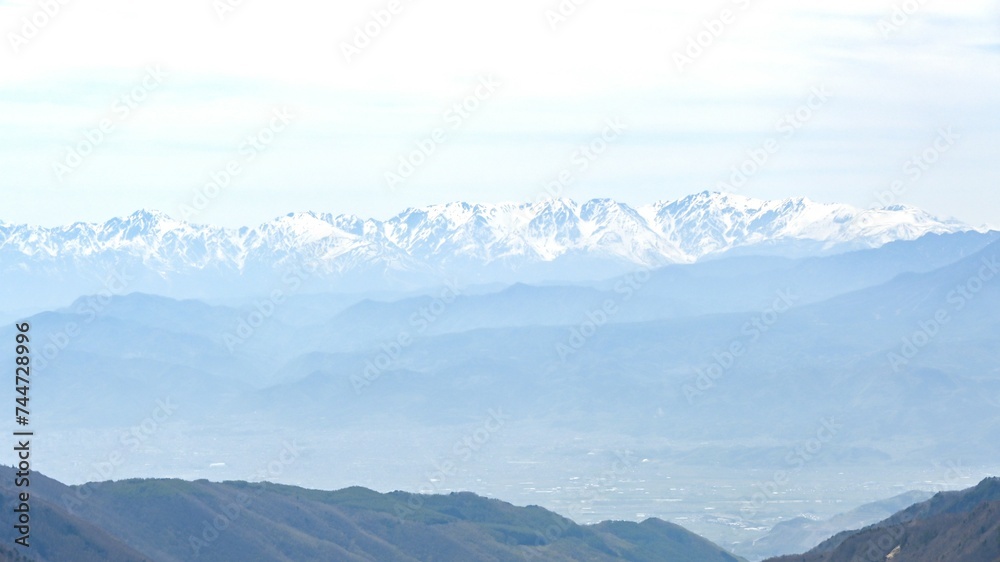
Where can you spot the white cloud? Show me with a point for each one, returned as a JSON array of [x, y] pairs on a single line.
[[609, 58]]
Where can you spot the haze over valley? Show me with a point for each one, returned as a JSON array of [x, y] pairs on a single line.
[[776, 373]]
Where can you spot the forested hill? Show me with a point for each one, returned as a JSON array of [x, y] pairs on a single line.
[[173, 520]]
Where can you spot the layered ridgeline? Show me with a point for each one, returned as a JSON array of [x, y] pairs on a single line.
[[868, 363], [802, 534], [177, 521], [547, 240], [954, 526]]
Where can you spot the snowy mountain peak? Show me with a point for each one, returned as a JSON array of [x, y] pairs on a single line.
[[145, 217], [506, 235]]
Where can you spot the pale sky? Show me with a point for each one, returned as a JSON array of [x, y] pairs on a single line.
[[890, 91]]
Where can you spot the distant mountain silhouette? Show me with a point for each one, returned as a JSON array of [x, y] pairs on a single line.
[[151, 252]]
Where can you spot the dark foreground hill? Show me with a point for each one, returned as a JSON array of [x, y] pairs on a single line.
[[954, 526], [803, 533], [172, 520]]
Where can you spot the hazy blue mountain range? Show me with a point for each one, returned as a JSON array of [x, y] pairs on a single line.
[[379, 390], [959, 526], [549, 240], [177, 521]]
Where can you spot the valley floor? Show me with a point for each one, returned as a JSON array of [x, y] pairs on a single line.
[[609, 478]]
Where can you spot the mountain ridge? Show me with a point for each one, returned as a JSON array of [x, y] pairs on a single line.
[[172, 520], [664, 232], [551, 240], [961, 526]]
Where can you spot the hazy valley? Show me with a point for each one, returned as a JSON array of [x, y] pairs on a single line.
[[725, 395]]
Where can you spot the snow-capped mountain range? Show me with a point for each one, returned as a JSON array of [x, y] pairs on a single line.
[[558, 239]]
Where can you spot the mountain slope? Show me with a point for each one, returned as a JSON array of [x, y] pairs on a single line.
[[955, 526], [172, 521], [801, 534]]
